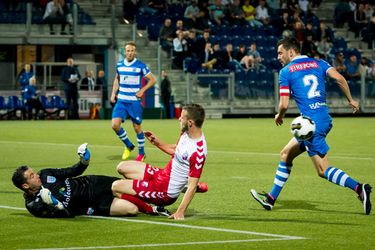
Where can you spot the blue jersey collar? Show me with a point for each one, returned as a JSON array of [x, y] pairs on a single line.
[[299, 57]]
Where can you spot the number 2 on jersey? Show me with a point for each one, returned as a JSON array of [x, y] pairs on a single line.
[[311, 80]]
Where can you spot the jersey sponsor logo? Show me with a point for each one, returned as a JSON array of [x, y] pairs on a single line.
[[317, 105], [51, 179], [302, 66], [131, 80], [129, 69], [67, 194]]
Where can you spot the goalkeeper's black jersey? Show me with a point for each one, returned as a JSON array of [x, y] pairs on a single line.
[[79, 195]]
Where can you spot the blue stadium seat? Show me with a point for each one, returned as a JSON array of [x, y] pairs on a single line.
[[15, 104], [153, 31]]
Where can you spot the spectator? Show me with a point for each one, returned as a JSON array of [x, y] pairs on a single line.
[[166, 35], [273, 6], [286, 26], [165, 93], [369, 11], [180, 27], [128, 10], [342, 13], [304, 6], [101, 82], [217, 13], [250, 13], [324, 32], [32, 103], [352, 68], [70, 76], [228, 57], [25, 76], [218, 55], [339, 63], [360, 20], [235, 13], [88, 83], [202, 22], [308, 47], [179, 48], [191, 44], [324, 48], [363, 66], [242, 57], [262, 13], [191, 14], [298, 31], [370, 76], [254, 56], [369, 37], [309, 30], [56, 12], [293, 6], [201, 42], [208, 60]]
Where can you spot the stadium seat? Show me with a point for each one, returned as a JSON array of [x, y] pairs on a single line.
[[58, 105], [3, 107], [15, 104]]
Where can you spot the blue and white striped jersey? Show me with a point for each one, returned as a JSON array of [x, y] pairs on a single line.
[[130, 79]]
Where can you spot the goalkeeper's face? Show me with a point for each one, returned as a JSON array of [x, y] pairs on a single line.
[[33, 182]]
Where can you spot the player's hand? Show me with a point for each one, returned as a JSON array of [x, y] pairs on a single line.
[[355, 106], [151, 137], [177, 216], [113, 98], [84, 154], [279, 120], [49, 199], [139, 94]]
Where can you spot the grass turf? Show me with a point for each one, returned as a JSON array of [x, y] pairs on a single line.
[[242, 154]]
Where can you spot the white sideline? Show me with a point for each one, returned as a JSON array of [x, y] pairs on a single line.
[[176, 224], [211, 151]]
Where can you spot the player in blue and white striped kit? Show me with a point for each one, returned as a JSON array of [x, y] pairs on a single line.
[[126, 94], [304, 79]]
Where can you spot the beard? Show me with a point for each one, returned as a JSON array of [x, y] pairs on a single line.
[[185, 128]]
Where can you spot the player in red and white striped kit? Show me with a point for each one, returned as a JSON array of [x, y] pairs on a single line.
[[163, 186]]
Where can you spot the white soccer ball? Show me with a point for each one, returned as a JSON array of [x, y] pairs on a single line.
[[303, 128]]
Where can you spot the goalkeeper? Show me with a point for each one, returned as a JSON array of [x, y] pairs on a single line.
[[62, 192]]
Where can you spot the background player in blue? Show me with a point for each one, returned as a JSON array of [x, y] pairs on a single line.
[[304, 79], [127, 93]]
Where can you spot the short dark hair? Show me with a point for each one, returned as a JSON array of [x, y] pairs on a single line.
[[290, 43], [196, 113], [19, 178]]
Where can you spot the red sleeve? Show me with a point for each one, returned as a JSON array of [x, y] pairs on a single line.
[[197, 160]]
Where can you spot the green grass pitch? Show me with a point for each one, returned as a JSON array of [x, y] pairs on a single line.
[[311, 213]]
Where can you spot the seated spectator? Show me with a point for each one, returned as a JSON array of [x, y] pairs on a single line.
[[179, 49], [285, 25], [324, 32], [235, 14], [57, 12], [323, 48], [298, 31], [207, 58], [25, 76], [304, 7], [202, 22], [227, 56], [254, 56], [242, 57], [292, 6], [262, 13], [88, 83], [217, 13], [363, 66], [166, 35], [352, 68], [250, 14], [218, 54], [180, 27], [128, 10], [191, 14], [309, 30], [201, 41], [308, 47], [339, 63], [32, 103], [191, 44]]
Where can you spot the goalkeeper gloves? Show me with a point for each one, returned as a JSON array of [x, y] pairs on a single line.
[[49, 199], [84, 154]]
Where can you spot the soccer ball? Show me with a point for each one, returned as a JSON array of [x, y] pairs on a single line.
[[303, 128]]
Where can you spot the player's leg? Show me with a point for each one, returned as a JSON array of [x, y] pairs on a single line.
[[119, 114], [121, 207], [141, 142], [339, 177], [132, 169], [287, 155]]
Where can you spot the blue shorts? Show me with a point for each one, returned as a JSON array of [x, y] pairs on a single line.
[[317, 145], [132, 109]]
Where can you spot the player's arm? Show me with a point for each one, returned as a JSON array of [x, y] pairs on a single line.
[[283, 107], [151, 80], [115, 88], [38, 208], [343, 84], [165, 147], [188, 196]]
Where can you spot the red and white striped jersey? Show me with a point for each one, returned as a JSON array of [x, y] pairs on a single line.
[[187, 161]]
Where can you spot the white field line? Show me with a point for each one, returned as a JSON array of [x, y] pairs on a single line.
[[170, 224], [210, 151]]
